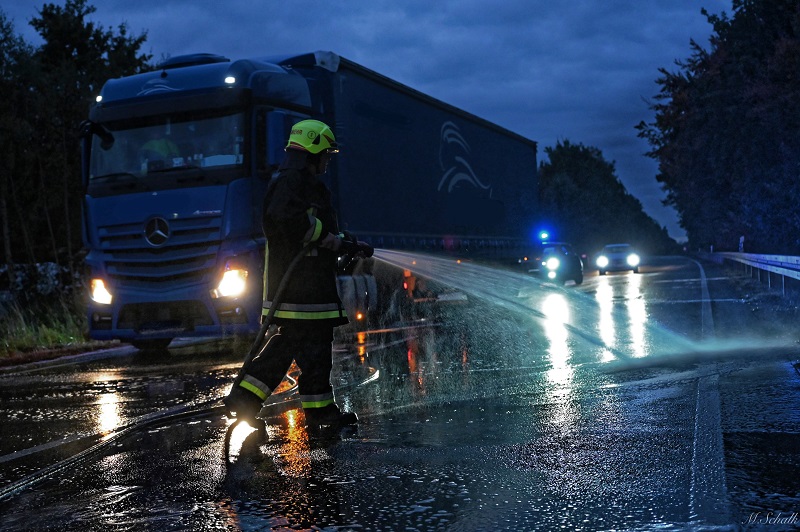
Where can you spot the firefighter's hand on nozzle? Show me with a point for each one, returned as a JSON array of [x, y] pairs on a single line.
[[354, 247], [365, 249]]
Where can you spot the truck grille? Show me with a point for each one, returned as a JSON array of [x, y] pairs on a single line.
[[188, 255]]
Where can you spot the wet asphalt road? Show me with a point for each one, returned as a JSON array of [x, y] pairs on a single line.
[[655, 401]]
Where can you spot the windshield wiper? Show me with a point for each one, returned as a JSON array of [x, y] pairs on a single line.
[[114, 177], [119, 181], [167, 169]]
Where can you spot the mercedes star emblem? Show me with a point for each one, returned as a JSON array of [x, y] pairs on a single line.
[[156, 231]]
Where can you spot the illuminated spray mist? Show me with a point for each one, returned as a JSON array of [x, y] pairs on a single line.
[[587, 318]]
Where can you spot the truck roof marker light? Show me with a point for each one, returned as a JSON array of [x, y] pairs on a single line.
[[230, 80]]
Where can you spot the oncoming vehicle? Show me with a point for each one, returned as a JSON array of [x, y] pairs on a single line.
[[561, 263], [617, 258]]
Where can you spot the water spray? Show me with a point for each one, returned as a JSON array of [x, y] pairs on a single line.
[[526, 294]]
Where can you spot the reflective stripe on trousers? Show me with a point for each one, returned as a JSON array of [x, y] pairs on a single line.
[[305, 311], [320, 400]]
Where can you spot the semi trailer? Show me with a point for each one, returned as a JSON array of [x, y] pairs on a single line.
[[176, 161]]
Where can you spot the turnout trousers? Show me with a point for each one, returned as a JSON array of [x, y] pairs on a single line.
[[310, 345]]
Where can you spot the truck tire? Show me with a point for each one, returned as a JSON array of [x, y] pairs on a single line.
[[579, 279]]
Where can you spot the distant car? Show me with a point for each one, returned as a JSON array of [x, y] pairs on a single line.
[[618, 258], [560, 262]]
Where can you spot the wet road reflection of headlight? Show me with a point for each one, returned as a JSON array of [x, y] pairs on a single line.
[[108, 418]]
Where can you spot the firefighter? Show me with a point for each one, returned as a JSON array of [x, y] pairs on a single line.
[[297, 211]]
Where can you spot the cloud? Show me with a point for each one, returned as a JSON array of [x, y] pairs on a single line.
[[580, 70]]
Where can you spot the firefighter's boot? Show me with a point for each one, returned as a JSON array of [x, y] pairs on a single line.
[[242, 405], [329, 417]]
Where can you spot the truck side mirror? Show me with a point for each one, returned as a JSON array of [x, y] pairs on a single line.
[[89, 128]]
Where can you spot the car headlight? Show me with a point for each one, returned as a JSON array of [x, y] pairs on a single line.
[[232, 284], [602, 261], [633, 259], [552, 263], [99, 293]]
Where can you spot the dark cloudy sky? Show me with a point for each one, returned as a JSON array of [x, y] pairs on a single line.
[[577, 70]]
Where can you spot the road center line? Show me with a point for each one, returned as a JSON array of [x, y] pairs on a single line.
[[708, 499]]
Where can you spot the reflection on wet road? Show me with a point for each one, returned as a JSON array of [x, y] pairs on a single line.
[[528, 407]]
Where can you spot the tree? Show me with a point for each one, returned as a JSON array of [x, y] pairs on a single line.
[[726, 133], [57, 83], [74, 61], [15, 131], [580, 192]]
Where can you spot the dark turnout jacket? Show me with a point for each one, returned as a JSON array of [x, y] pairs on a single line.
[[298, 210]]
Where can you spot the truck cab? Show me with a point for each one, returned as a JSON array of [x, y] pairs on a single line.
[[176, 162]]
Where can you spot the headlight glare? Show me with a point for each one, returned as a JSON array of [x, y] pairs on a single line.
[[633, 259], [602, 261], [233, 284], [552, 263], [99, 293]]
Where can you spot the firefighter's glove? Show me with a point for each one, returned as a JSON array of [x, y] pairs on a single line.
[[365, 249], [355, 248]]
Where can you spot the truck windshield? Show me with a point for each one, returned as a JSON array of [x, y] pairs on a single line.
[[148, 147]]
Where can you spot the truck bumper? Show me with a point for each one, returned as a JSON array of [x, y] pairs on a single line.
[[141, 315]]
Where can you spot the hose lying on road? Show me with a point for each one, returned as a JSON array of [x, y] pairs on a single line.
[[169, 415], [204, 408]]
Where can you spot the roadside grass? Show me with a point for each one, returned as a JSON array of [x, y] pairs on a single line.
[[42, 328]]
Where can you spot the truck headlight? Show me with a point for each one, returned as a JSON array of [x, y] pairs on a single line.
[[99, 293], [633, 259], [602, 261], [233, 284]]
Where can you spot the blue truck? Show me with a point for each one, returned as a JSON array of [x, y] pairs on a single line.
[[176, 162]]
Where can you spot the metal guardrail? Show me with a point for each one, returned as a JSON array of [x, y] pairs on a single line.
[[782, 265]]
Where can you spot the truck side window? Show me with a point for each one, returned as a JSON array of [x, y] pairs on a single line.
[[263, 168], [271, 131], [279, 132]]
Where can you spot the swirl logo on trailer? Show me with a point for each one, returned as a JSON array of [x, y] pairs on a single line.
[[453, 153]]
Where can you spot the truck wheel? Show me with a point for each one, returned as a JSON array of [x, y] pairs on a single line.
[[602, 272], [579, 279], [151, 345]]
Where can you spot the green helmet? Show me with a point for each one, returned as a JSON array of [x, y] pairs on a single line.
[[312, 136]]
